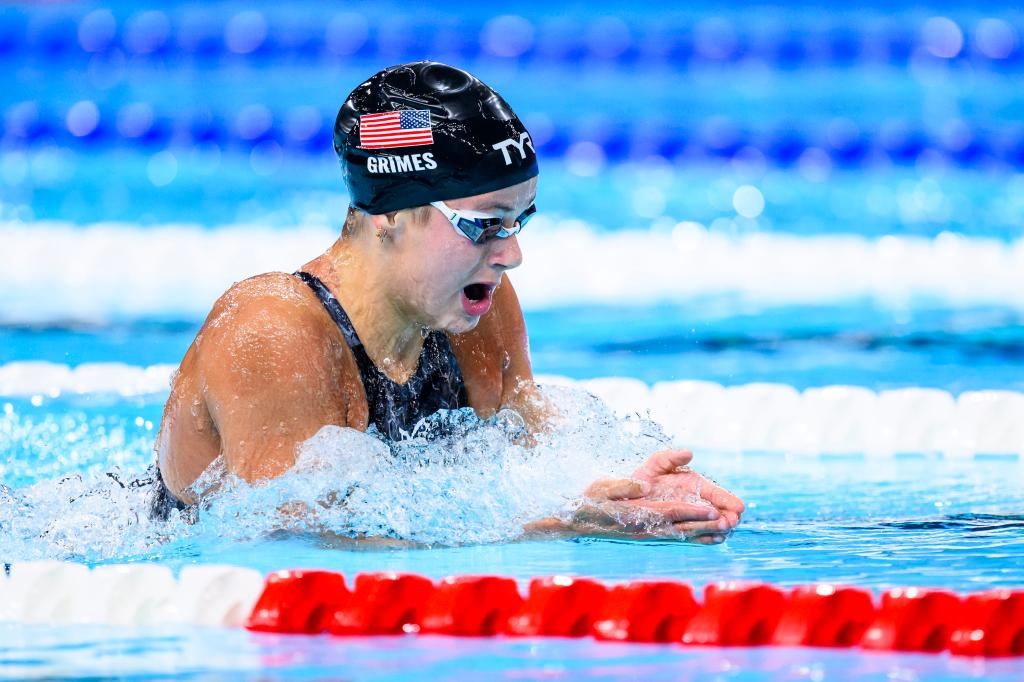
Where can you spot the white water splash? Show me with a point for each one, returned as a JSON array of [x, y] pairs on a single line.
[[470, 483], [82, 517]]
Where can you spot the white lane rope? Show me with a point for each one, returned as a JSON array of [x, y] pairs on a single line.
[[42, 379], [65, 593], [760, 417], [827, 420], [102, 272]]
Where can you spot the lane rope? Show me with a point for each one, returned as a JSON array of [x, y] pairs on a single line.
[[757, 417], [126, 268], [733, 613], [55, 592], [211, 36], [300, 129]]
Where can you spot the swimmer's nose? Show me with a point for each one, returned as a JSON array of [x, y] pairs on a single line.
[[505, 253]]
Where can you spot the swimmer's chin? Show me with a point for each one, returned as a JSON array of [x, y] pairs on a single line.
[[456, 321], [462, 325]]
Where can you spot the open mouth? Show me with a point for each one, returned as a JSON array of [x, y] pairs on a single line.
[[476, 298], [477, 292]]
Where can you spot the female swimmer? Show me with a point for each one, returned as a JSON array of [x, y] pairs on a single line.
[[409, 312]]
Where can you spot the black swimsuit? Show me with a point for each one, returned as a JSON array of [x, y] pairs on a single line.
[[395, 409]]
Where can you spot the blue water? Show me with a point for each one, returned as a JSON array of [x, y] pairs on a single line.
[[846, 120], [188, 654], [212, 188], [911, 520], [856, 344], [179, 653]]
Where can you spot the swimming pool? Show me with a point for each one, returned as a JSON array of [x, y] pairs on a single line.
[[875, 522], [803, 258]]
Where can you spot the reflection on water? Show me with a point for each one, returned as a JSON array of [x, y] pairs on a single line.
[[191, 653], [968, 522]]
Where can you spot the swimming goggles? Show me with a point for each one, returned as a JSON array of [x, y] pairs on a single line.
[[480, 227]]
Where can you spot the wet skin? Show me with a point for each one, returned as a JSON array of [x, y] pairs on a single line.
[[269, 367]]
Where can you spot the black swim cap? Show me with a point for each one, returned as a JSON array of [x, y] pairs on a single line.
[[425, 131]]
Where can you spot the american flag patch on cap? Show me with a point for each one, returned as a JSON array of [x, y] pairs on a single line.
[[409, 128]]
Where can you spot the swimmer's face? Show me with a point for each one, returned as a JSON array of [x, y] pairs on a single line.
[[447, 280]]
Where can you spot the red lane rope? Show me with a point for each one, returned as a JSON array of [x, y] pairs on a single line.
[[732, 613]]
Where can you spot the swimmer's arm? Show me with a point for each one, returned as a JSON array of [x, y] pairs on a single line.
[[495, 362], [267, 382], [519, 390]]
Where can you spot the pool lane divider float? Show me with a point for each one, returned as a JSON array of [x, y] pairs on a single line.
[[55, 592], [731, 614], [753, 271], [701, 415], [317, 602], [88, 126], [209, 35]]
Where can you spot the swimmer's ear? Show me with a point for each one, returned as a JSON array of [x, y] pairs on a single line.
[[385, 220], [384, 224], [416, 215]]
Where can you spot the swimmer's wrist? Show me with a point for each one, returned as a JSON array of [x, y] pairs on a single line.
[[587, 520], [547, 528]]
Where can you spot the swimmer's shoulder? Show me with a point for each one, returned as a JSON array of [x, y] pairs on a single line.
[[267, 361], [271, 330], [275, 306], [286, 297]]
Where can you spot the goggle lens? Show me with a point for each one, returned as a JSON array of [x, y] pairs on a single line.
[[481, 230]]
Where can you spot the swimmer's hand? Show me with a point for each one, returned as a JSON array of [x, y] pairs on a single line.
[[664, 498], [670, 478]]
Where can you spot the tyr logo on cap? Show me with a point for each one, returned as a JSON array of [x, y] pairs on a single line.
[[520, 144]]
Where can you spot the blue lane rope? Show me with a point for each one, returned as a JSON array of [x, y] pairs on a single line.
[[59, 35], [28, 125]]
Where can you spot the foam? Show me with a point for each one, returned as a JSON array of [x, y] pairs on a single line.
[[474, 484], [112, 271]]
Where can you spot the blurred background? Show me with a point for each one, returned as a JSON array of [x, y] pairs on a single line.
[[801, 193]]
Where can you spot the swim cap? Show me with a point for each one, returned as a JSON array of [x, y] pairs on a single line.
[[425, 131]]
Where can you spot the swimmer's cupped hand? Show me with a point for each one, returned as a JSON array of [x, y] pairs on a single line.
[[664, 497]]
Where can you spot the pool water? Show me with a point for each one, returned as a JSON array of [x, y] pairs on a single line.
[[734, 195], [910, 520], [878, 523], [182, 653]]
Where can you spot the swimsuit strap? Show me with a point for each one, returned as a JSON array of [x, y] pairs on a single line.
[[339, 316], [396, 408]]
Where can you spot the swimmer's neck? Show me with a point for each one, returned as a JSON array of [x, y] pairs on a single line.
[[387, 328]]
